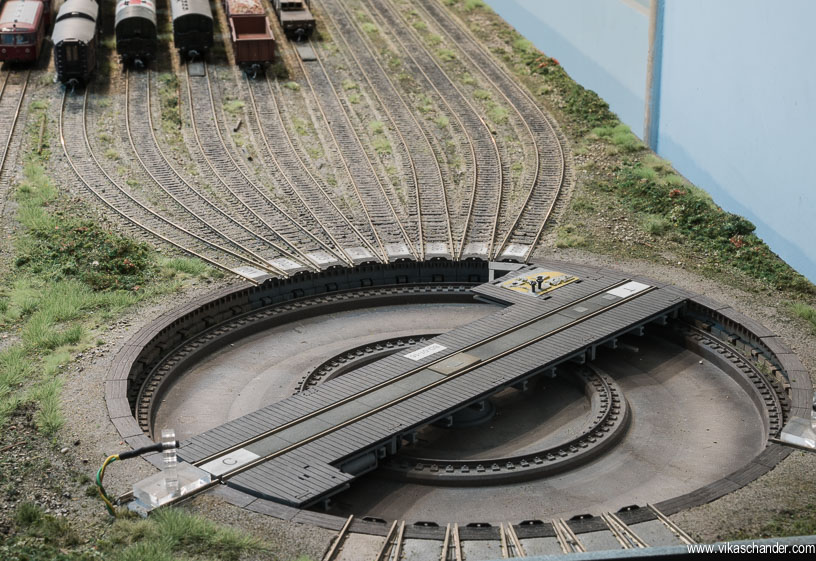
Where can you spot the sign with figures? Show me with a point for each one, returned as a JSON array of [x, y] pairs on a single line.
[[538, 282]]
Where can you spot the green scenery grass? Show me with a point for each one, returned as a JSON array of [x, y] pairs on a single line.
[[782, 525], [169, 534], [234, 106], [805, 312], [446, 55], [620, 136], [169, 104], [69, 277], [569, 235], [728, 238], [370, 28]]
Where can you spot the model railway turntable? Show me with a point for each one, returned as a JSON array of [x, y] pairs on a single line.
[[304, 449]]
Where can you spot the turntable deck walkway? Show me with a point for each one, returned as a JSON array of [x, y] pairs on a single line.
[[308, 447]]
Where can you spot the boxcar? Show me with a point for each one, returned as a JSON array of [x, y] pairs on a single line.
[[295, 18], [75, 38], [252, 41], [22, 28], [136, 34], [192, 26]]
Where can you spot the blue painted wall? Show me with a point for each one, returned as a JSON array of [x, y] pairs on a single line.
[[737, 95], [609, 59], [738, 112]]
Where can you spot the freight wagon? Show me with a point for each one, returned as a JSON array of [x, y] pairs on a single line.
[[252, 42]]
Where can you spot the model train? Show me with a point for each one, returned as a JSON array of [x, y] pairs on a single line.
[[76, 31], [136, 32], [252, 41], [23, 24], [295, 18], [192, 27], [75, 35]]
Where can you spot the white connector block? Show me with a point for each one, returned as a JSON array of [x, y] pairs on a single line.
[[156, 490]]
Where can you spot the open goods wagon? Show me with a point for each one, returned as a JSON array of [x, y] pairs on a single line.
[[252, 41]]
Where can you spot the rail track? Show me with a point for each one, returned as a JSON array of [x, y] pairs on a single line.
[[12, 93], [647, 527], [201, 242], [432, 207], [200, 208], [279, 152], [393, 241], [551, 166], [482, 215], [302, 235]]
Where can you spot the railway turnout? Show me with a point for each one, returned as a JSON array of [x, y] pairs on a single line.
[[304, 449]]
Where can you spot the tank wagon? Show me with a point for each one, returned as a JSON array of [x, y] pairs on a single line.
[[22, 28], [75, 37], [192, 27], [295, 18], [252, 41], [136, 33]]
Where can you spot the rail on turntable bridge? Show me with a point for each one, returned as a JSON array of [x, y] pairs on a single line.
[[304, 449]]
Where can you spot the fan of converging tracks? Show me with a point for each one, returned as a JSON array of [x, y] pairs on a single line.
[[284, 211]]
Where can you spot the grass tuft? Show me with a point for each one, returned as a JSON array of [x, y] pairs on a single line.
[[183, 265], [471, 5], [173, 533], [621, 136], [656, 225], [234, 106], [568, 235], [804, 311], [446, 55], [381, 145]]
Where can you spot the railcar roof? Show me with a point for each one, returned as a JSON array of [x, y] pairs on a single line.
[[88, 7], [79, 29], [20, 14], [201, 7], [122, 4], [238, 7]]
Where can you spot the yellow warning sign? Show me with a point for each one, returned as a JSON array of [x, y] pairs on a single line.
[[538, 282]]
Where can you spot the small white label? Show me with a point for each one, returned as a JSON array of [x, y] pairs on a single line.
[[425, 351], [628, 289]]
